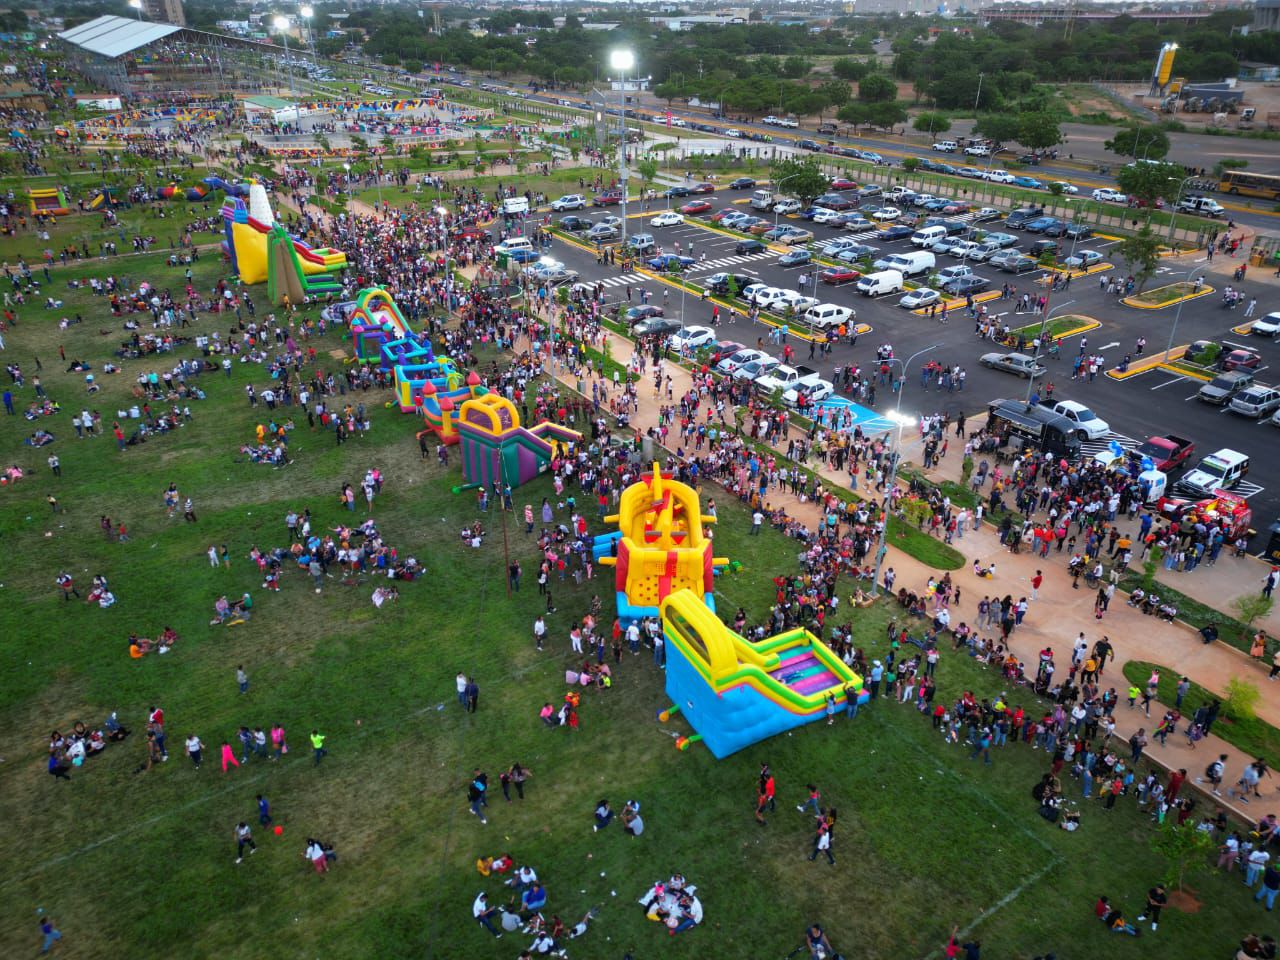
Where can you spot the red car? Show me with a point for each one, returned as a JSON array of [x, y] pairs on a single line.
[[843, 183], [698, 206], [838, 275], [1240, 360], [606, 199], [957, 206], [703, 188], [720, 214], [725, 348]]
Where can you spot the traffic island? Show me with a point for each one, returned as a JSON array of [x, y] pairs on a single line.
[[1167, 296], [1059, 328]]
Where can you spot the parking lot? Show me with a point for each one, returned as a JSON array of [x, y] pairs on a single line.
[[1155, 403]]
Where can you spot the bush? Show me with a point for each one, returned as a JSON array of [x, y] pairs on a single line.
[[1241, 700]]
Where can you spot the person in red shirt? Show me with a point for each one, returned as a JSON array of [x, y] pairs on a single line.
[[1176, 780], [1035, 583]]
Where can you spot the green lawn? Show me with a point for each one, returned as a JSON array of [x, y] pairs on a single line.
[[141, 863]]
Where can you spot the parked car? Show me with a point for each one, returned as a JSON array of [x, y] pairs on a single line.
[[839, 275], [1089, 426], [1108, 195], [1069, 189], [1221, 389], [749, 246], [727, 365], [920, 297], [668, 219], [966, 286], [703, 188], [575, 224], [986, 214], [1268, 326], [795, 258], [1083, 259], [570, 201], [698, 206], [742, 183], [1258, 401], [1040, 224], [655, 326], [723, 349], [1019, 363], [606, 199], [693, 338], [896, 231], [641, 312], [720, 283], [1239, 360]]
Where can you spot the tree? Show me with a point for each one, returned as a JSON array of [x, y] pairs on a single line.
[[669, 92], [1038, 130], [910, 164], [647, 167], [847, 68], [876, 88], [855, 113], [932, 123], [1140, 142], [1185, 847], [887, 114], [1151, 181], [1141, 255], [1000, 127], [1252, 607], [836, 92], [800, 178], [796, 67]]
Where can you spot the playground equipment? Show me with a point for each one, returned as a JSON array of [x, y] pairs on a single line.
[[104, 197], [735, 693], [497, 450], [659, 547], [48, 201], [230, 189], [299, 270], [194, 193]]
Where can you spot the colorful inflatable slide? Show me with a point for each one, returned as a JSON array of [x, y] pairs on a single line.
[[48, 201], [288, 265], [497, 450], [733, 692]]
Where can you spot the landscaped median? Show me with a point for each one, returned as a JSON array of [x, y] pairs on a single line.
[[1059, 328], [1173, 293], [1157, 361]]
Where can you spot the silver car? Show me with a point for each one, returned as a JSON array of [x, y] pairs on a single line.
[[1019, 363]]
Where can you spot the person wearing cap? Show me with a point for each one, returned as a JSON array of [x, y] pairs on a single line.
[[877, 674]]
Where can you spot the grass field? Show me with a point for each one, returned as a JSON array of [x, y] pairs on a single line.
[[142, 863]]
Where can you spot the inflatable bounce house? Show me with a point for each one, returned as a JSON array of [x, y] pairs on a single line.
[[48, 201], [659, 547], [732, 692], [497, 450], [458, 409], [104, 197], [261, 249], [735, 693], [173, 192]]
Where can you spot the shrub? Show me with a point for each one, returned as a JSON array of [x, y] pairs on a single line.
[[1241, 700]]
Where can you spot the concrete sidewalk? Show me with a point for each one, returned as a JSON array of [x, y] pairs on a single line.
[[1057, 615]]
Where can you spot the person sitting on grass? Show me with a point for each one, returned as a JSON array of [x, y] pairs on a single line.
[[604, 816]]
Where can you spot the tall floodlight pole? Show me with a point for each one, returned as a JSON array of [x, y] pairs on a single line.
[[622, 60]]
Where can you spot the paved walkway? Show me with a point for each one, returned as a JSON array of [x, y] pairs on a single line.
[[1056, 617]]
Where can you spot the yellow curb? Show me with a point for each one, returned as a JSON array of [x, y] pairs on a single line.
[[1137, 305], [1077, 330], [1147, 364], [985, 297], [1203, 378], [1244, 330], [1080, 274]]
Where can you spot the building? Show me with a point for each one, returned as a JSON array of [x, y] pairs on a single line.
[[165, 11], [156, 63], [1266, 15]]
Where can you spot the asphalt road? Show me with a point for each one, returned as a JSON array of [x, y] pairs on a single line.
[[1154, 403], [1083, 141]]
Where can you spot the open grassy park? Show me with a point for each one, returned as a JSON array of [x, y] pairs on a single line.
[[140, 862]]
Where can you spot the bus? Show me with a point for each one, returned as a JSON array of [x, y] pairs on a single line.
[[1243, 183]]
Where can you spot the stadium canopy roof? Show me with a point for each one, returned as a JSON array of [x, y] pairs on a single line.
[[111, 37]]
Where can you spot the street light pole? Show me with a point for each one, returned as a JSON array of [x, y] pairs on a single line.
[[896, 416], [622, 61], [1044, 325], [1173, 331], [282, 24], [307, 12], [1173, 214]]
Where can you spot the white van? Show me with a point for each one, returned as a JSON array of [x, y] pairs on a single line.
[[928, 236], [515, 205], [512, 244], [828, 316], [880, 283], [912, 263]]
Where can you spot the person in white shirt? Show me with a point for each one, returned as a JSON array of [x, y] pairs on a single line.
[[481, 910]]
